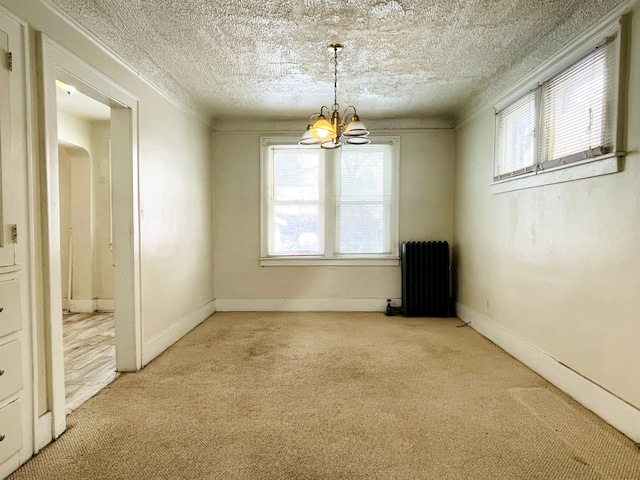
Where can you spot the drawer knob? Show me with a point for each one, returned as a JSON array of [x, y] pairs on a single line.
[[1, 371], [1, 308], [1, 437]]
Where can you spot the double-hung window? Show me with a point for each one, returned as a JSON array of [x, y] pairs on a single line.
[[569, 118], [329, 206]]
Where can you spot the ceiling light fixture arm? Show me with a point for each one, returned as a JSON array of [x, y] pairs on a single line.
[[315, 116], [347, 115]]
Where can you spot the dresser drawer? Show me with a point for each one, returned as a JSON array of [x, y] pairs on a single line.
[[10, 369], [10, 316], [10, 430]]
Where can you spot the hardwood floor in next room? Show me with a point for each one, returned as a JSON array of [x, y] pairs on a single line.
[[89, 355]]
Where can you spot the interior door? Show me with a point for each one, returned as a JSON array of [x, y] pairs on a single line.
[[7, 246]]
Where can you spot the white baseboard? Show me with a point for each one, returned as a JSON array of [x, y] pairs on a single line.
[[88, 305], [82, 305], [43, 432], [104, 304], [607, 406], [161, 342], [303, 304]]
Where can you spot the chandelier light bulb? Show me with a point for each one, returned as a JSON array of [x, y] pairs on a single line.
[[322, 128]]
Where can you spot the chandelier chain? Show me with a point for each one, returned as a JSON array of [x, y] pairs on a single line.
[[335, 79]]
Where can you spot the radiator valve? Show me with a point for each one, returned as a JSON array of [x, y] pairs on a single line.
[[391, 311]]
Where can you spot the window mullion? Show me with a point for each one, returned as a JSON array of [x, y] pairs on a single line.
[[539, 132], [330, 170]]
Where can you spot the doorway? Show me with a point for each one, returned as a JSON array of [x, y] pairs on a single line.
[[86, 244], [58, 64]]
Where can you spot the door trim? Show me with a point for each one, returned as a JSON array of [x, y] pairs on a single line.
[[57, 63]]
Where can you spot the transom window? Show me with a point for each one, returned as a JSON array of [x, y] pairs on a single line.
[[329, 204]]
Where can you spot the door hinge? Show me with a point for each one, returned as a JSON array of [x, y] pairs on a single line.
[[10, 61], [14, 233]]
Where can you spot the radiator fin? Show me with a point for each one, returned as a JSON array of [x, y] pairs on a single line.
[[426, 279]]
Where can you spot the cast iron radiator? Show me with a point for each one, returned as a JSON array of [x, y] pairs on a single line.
[[426, 288]]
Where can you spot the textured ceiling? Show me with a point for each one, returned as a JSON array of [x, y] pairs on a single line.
[[268, 59]]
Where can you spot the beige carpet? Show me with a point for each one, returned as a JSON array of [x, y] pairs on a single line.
[[334, 396]]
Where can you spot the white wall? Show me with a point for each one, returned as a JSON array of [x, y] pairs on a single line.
[[556, 269], [176, 203], [426, 212], [73, 130], [102, 251], [64, 178], [84, 156], [76, 224]]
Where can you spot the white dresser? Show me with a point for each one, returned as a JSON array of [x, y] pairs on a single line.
[[11, 375]]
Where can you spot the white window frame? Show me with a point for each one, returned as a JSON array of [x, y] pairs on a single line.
[[614, 32], [329, 219]]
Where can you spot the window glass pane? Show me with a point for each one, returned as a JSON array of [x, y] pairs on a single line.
[[362, 175], [296, 175], [296, 230], [295, 220], [515, 146], [574, 108], [363, 200], [363, 228]]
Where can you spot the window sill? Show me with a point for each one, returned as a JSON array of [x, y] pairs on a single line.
[[321, 261], [605, 165]]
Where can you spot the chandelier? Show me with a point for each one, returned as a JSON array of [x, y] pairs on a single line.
[[327, 131]]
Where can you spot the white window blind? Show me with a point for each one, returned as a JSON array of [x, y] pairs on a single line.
[[363, 200], [575, 106], [515, 140], [296, 203], [570, 116]]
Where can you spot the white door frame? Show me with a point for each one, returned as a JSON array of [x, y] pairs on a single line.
[[57, 63]]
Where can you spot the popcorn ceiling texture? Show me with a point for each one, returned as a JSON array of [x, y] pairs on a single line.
[[268, 59]]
